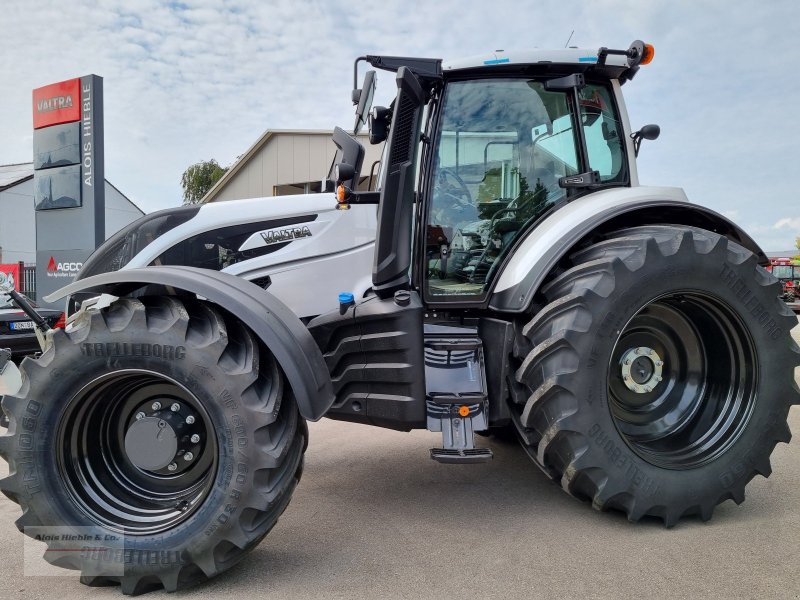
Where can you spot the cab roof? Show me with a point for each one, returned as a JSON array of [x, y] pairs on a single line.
[[577, 56], [606, 62]]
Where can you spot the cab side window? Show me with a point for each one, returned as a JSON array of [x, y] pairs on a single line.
[[604, 134]]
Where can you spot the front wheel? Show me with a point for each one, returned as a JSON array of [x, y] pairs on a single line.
[[660, 374], [153, 445]]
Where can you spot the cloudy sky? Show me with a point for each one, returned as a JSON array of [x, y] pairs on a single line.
[[200, 79]]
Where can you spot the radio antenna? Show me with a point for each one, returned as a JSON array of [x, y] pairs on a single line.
[[569, 38]]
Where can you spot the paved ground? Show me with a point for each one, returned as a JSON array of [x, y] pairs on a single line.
[[375, 518]]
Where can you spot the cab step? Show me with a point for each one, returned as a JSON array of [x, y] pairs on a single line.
[[464, 456], [456, 400]]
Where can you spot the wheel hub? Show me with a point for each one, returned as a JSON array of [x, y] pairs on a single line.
[[164, 437], [151, 443], [641, 369]]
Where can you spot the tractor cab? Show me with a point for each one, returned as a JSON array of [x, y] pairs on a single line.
[[480, 150], [502, 158]]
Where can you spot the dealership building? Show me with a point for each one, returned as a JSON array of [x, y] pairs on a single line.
[[18, 217]]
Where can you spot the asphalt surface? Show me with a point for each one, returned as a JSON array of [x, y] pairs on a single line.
[[374, 517]]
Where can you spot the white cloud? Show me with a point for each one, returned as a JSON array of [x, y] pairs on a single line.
[[788, 223]]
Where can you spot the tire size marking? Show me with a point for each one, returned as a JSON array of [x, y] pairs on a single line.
[[634, 474], [25, 461], [745, 295], [229, 401], [113, 349], [239, 473]]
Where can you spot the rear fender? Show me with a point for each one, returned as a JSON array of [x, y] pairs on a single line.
[[271, 320], [558, 235]]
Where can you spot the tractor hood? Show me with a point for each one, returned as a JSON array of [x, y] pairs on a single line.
[[259, 239]]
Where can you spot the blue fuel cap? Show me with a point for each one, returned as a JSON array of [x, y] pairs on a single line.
[[346, 298]]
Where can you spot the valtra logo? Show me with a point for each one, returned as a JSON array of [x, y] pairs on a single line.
[[57, 103], [62, 269]]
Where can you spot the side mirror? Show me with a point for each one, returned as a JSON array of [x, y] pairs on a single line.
[[648, 132], [379, 118], [363, 97]]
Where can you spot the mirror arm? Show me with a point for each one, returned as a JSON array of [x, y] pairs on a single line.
[[356, 95]]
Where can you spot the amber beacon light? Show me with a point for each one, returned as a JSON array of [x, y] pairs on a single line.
[[647, 54]]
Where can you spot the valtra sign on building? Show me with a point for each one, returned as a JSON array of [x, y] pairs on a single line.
[[56, 103], [69, 191]]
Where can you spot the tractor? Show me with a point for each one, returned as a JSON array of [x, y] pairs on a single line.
[[506, 275]]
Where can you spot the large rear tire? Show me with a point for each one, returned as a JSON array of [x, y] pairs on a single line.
[[163, 430], [658, 378]]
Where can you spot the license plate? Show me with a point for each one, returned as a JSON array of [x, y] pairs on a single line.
[[17, 325]]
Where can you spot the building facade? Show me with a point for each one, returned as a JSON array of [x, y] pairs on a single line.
[[284, 162], [18, 217]]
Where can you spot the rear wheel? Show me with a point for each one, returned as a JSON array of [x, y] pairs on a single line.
[[660, 374], [164, 432]]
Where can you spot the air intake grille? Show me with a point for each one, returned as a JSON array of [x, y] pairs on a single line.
[[403, 134]]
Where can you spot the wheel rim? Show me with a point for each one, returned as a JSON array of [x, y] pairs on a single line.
[[113, 452], [682, 380]]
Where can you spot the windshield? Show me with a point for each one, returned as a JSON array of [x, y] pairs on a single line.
[[786, 271], [503, 145]]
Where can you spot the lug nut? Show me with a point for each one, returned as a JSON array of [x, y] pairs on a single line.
[[195, 438], [658, 378], [175, 407], [189, 420], [188, 456], [627, 362], [172, 467], [659, 363], [140, 415], [156, 406]]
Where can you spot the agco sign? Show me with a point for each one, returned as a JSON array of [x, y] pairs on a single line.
[[63, 269]]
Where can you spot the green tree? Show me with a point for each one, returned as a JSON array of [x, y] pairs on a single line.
[[199, 178]]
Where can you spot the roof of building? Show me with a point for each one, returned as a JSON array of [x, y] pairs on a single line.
[[784, 253], [253, 150], [11, 175]]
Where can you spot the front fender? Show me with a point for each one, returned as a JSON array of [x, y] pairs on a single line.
[[271, 320], [603, 211]]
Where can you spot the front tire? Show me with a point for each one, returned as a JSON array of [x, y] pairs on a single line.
[[164, 431], [659, 375]]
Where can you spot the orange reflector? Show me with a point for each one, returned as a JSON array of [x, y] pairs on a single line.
[[341, 193], [464, 411], [648, 54]]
